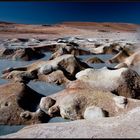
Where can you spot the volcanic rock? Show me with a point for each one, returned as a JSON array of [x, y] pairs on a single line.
[[79, 96], [69, 64], [17, 101], [56, 77], [94, 60], [124, 81], [132, 62], [25, 54]]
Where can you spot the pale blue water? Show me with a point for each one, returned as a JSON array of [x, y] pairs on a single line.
[[4, 63], [103, 57], [7, 129], [45, 88], [58, 119]]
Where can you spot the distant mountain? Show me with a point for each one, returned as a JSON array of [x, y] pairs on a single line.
[[5, 22], [103, 25]]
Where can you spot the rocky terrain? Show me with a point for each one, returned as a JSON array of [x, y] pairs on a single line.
[[95, 67]]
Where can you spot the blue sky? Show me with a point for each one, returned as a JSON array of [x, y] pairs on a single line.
[[55, 12]]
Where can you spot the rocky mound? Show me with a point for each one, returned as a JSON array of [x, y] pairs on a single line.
[[68, 64], [94, 60], [132, 62], [123, 82], [25, 54], [15, 99]]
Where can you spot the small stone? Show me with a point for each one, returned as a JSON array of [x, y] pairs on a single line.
[[46, 103], [120, 101], [46, 69], [93, 112], [25, 115]]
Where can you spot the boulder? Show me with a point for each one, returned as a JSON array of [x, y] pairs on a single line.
[[56, 77], [112, 48], [103, 78], [123, 81], [79, 97], [81, 100], [25, 54], [19, 76], [69, 49], [131, 85], [72, 103], [120, 101], [6, 53], [18, 105], [121, 56], [132, 62], [94, 60], [68, 64], [93, 112]]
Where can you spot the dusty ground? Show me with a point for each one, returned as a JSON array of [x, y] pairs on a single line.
[[87, 29]]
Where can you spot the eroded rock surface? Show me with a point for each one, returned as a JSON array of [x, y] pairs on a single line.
[[56, 77], [68, 64], [25, 54], [17, 101], [124, 81], [123, 126], [132, 62], [72, 102], [94, 60]]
